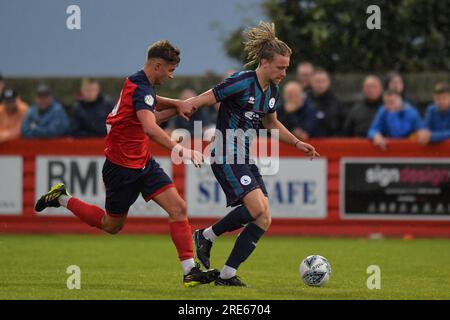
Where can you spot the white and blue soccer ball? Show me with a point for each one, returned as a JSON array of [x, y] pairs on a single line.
[[315, 270]]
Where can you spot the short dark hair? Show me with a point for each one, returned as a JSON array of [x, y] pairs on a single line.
[[163, 49], [318, 70], [391, 92], [441, 87], [89, 81], [391, 75]]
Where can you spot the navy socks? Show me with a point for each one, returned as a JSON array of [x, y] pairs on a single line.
[[234, 220], [244, 245]]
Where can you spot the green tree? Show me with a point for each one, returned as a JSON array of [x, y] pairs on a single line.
[[414, 34]]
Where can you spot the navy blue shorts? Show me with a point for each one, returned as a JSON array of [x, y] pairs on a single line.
[[123, 185], [237, 180]]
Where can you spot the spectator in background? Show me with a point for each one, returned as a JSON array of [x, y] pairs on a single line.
[[437, 116], [362, 114], [305, 71], [2, 87], [394, 119], [298, 114], [46, 119], [204, 115], [329, 109], [395, 82], [12, 113], [90, 111]]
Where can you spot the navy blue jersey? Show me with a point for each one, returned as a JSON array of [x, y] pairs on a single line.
[[144, 95], [243, 104]]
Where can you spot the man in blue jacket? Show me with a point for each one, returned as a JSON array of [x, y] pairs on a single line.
[[46, 119], [437, 116], [394, 119]]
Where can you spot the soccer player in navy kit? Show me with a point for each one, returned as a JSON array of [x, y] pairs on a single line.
[[129, 168], [248, 100]]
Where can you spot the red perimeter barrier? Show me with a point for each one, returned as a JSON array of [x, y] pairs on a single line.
[[333, 225]]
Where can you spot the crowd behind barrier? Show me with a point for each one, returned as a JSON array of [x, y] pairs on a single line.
[[310, 109], [366, 145]]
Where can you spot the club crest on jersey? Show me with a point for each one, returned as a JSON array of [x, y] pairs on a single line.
[[149, 100], [272, 103], [251, 100], [245, 180]]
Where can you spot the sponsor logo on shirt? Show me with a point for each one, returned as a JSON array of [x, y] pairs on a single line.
[[251, 115]]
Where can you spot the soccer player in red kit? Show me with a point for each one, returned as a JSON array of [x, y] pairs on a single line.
[[130, 169]]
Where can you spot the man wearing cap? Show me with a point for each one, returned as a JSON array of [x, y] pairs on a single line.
[[46, 119], [12, 112]]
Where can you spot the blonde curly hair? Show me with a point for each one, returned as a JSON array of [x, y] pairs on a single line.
[[262, 43]]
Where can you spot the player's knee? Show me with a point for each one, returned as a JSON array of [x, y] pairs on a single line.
[[178, 211], [260, 211], [112, 228], [116, 229], [265, 220]]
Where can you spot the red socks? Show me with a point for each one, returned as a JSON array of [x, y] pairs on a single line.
[[180, 231], [92, 215], [181, 234]]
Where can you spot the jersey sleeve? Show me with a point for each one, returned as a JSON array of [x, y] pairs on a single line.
[[144, 99], [231, 86], [278, 102]]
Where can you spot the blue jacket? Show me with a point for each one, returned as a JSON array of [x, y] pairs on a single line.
[[51, 123], [396, 124], [438, 122], [304, 118]]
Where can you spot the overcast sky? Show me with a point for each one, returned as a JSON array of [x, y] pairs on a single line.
[[114, 35]]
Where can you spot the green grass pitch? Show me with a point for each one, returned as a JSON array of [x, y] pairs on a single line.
[[146, 267]]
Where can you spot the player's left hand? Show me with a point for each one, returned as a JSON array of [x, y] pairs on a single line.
[[193, 155], [185, 109], [307, 149]]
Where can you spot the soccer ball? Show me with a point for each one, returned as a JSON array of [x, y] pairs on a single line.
[[315, 270]]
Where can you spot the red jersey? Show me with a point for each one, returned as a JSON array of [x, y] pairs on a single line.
[[126, 142]]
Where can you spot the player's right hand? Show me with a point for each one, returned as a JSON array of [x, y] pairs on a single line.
[[185, 109]]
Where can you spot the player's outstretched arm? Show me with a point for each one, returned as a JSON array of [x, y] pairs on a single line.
[[157, 134], [205, 99], [184, 108], [271, 122], [164, 115]]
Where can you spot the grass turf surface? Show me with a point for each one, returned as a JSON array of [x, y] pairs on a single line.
[[146, 267]]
